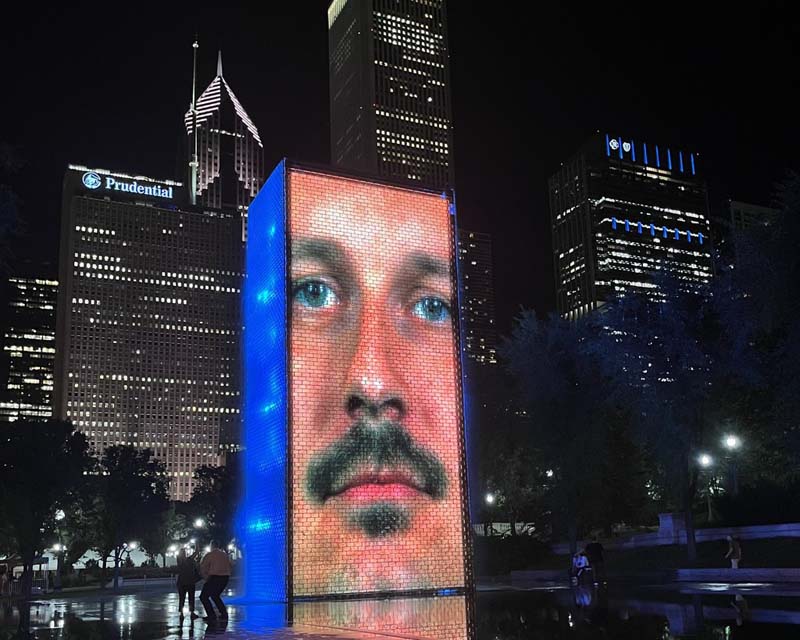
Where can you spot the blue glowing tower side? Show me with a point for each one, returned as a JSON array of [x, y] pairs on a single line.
[[265, 513]]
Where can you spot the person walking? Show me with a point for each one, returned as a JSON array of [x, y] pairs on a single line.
[[216, 569], [188, 575], [734, 551], [594, 551]]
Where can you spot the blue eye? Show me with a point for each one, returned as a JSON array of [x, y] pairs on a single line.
[[314, 294], [432, 309]]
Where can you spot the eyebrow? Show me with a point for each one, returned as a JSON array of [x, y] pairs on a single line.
[[327, 251], [422, 264]]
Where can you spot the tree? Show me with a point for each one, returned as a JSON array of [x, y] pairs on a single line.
[[42, 465], [157, 539], [129, 500], [569, 400], [216, 497], [682, 370]]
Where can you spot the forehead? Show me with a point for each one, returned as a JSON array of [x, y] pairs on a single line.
[[359, 213]]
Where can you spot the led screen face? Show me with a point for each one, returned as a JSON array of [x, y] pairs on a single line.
[[375, 420]]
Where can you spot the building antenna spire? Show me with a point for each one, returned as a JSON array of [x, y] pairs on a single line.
[[219, 63], [193, 164]]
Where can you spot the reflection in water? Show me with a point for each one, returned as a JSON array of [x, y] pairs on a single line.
[[443, 618], [560, 614]]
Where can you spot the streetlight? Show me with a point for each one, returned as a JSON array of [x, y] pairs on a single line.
[[199, 523], [733, 443], [59, 548], [489, 498], [706, 461]]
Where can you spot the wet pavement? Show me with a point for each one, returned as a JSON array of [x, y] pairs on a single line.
[[714, 611]]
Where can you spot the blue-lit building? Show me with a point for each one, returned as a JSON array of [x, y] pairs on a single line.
[[623, 210]]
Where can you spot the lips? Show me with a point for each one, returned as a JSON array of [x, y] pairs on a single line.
[[373, 487]]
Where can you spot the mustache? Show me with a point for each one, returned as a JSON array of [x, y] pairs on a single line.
[[382, 445]]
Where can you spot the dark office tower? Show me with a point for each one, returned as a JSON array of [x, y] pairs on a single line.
[[148, 319], [745, 215], [29, 345], [390, 89], [230, 155], [477, 296], [623, 210]]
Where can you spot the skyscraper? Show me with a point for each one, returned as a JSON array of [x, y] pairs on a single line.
[[745, 215], [29, 344], [477, 296], [390, 89], [148, 319], [230, 154], [621, 211]]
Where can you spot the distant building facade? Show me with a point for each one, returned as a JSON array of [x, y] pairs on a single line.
[[230, 154], [148, 321], [745, 215], [621, 211], [477, 296], [390, 90], [29, 347]]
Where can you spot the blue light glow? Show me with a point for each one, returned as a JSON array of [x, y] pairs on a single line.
[[264, 510], [658, 157], [680, 160], [691, 160], [640, 226], [669, 159], [633, 151], [644, 147], [608, 146], [620, 147]]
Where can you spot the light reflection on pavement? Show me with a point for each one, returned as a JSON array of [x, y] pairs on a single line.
[[150, 615]]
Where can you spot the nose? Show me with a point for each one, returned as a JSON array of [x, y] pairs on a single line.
[[374, 386]]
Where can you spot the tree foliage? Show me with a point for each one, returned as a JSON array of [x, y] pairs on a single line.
[[127, 499], [43, 464], [216, 498]]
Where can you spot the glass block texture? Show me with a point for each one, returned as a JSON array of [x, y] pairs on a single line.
[[376, 437], [442, 618], [264, 520]]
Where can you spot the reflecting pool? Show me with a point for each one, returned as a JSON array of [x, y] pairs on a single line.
[[704, 610]]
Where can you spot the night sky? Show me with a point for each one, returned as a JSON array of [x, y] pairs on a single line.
[[107, 86]]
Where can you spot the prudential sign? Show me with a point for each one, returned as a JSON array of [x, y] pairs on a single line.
[[93, 180]]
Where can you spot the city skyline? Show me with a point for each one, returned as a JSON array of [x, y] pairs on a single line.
[[521, 106]]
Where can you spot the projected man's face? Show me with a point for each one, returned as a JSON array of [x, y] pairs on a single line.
[[375, 424]]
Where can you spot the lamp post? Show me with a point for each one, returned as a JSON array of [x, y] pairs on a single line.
[[732, 444], [59, 549], [487, 527], [127, 547], [706, 462]]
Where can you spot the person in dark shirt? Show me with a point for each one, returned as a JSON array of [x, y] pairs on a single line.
[[188, 575], [594, 551]]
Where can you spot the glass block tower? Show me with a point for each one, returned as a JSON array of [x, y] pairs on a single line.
[[148, 320], [230, 154], [621, 211], [390, 89], [29, 344]]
